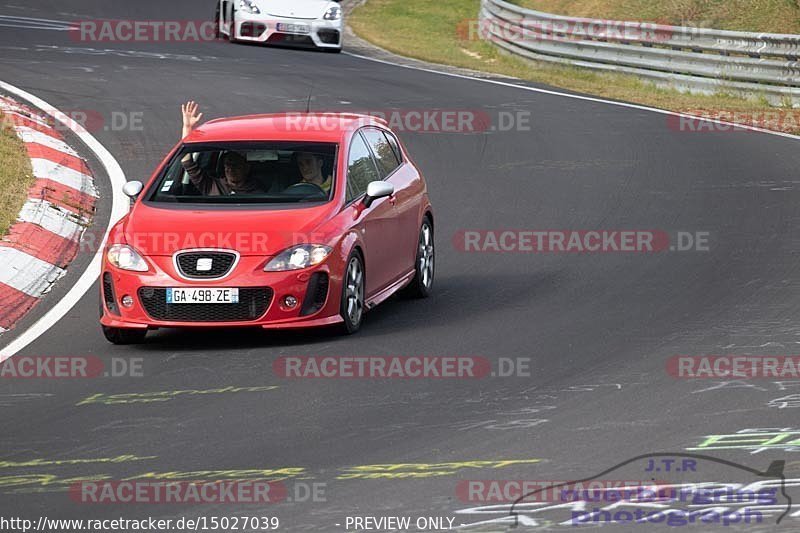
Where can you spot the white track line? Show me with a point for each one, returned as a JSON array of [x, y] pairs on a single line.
[[576, 96], [119, 206], [50, 170]]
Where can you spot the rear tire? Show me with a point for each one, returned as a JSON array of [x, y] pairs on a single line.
[[124, 335], [424, 263], [351, 307]]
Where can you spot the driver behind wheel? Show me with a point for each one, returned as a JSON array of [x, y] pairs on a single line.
[[236, 168], [310, 166]]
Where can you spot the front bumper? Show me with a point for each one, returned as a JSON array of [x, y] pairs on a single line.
[[264, 29], [261, 304]]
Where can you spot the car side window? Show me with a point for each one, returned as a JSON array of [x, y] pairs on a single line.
[[360, 168], [382, 150], [395, 146]]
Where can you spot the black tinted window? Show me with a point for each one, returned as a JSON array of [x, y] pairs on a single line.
[[360, 168], [384, 153], [246, 173]]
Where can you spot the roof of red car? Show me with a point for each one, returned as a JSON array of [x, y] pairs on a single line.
[[320, 127]]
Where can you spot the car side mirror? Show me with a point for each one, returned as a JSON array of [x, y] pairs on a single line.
[[132, 189], [377, 189]]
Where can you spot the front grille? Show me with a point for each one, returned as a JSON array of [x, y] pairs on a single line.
[[316, 294], [108, 294], [253, 303], [220, 264]]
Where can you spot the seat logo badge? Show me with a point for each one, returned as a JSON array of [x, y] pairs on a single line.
[[204, 264]]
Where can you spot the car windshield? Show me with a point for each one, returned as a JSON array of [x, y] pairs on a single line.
[[275, 172]]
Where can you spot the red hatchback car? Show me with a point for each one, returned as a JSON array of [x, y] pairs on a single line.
[[276, 221]]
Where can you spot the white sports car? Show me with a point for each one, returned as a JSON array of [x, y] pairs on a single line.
[[317, 23]]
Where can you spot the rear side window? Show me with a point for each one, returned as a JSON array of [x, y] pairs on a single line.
[[360, 168], [395, 145], [383, 151]]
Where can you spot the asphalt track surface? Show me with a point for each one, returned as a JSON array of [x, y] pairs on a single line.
[[598, 328]]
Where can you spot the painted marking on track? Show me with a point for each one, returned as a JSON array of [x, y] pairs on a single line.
[[38, 482], [424, 470], [33, 483], [790, 401], [63, 462], [204, 475], [755, 440], [164, 396]]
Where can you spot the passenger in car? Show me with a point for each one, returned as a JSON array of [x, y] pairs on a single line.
[[236, 177]]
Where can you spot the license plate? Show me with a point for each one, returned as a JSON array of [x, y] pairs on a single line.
[[292, 28], [200, 295]]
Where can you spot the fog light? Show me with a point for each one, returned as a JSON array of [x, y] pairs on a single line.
[[127, 301], [290, 301]]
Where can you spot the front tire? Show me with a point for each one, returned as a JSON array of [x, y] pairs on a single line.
[[232, 28], [424, 263], [217, 25], [352, 306], [123, 335]]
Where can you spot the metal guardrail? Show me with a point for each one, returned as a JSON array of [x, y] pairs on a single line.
[[688, 58]]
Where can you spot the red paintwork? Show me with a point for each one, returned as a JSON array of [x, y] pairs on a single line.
[[386, 232]]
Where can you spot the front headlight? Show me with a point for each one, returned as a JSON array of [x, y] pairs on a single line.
[[333, 13], [297, 257], [124, 257], [248, 6]]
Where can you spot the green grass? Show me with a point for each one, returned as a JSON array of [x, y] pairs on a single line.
[[774, 16], [435, 31], [16, 175]]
